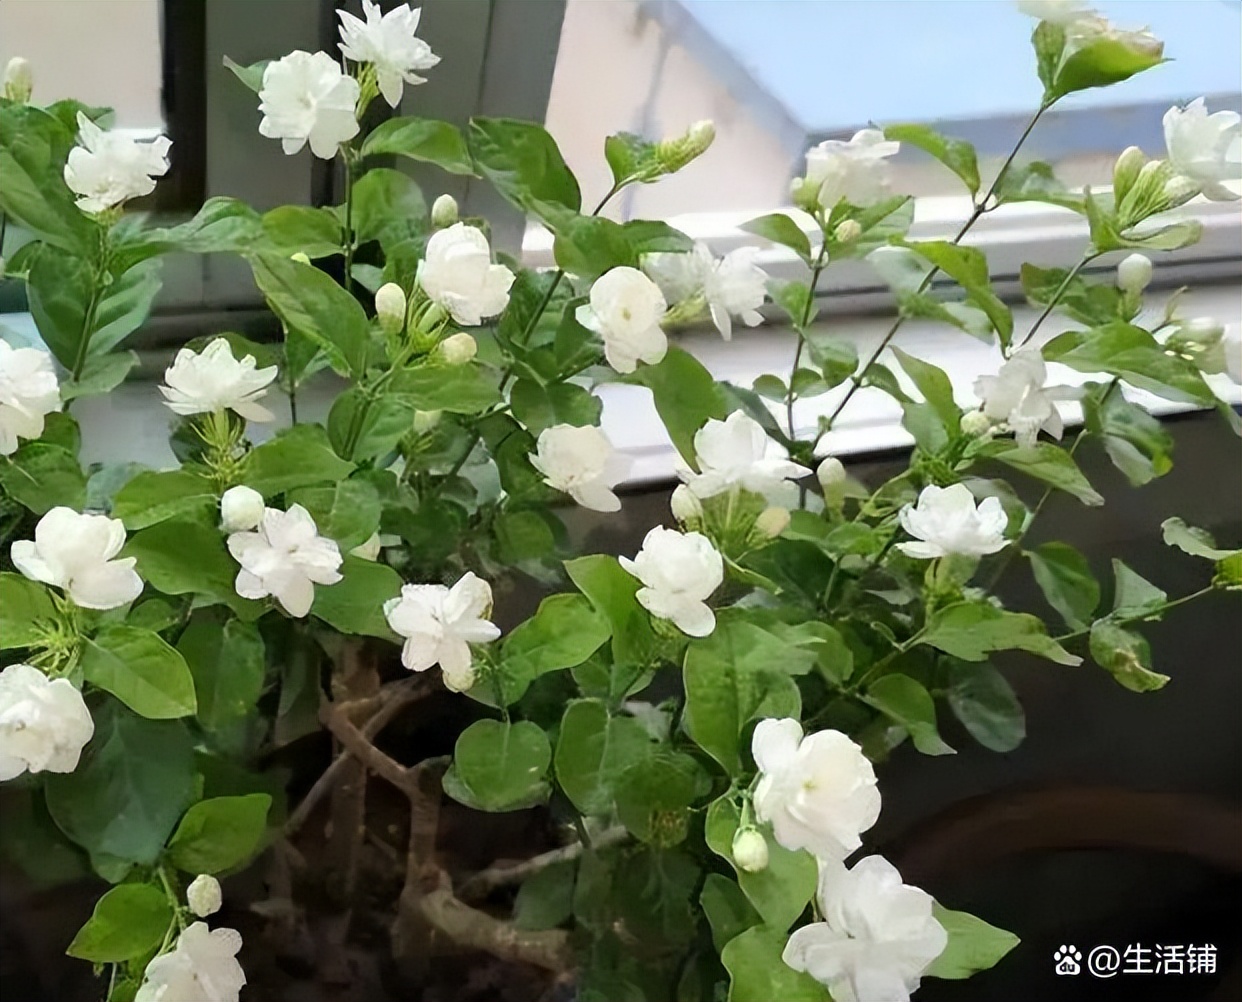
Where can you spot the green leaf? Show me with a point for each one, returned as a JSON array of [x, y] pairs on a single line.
[[593, 750], [42, 476], [1134, 595], [612, 592], [1099, 64], [33, 148], [219, 834], [539, 407], [969, 268], [349, 512], [965, 318], [972, 630], [728, 911], [909, 704], [524, 164], [563, 633], [313, 232], [422, 139], [222, 225], [389, 207], [973, 946], [1137, 443], [309, 301], [758, 974], [1048, 463], [881, 224], [1091, 303], [1036, 182], [135, 778], [836, 357], [153, 496], [653, 796], [1126, 656], [632, 158], [935, 387], [182, 557], [781, 229], [1065, 578], [355, 604], [458, 389], [377, 426], [956, 154], [1132, 354], [101, 374], [141, 670], [985, 703], [25, 606], [252, 75], [733, 677], [588, 246], [128, 922], [686, 396], [501, 766], [226, 660], [1194, 541], [546, 898], [779, 892], [297, 457]]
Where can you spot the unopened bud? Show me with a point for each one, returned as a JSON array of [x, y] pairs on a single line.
[[772, 522], [390, 307], [1134, 274], [804, 193], [18, 80], [686, 506], [847, 231], [1126, 171], [444, 212], [204, 896], [241, 509], [1202, 329], [750, 850], [1178, 190], [458, 349], [674, 154], [301, 257], [830, 473], [425, 421], [368, 550], [975, 424]]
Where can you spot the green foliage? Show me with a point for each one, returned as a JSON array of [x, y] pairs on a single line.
[[593, 750], [907, 703], [128, 922], [226, 659], [757, 973], [956, 154], [973, 945], [987, 707], [972, 630], [219, 834], [524, 164], [141, 670], [1066, 581], [25, 610], [1125, 655], [685, 395], [301, 456], [420, 139], [500, 766], [781, 229], [153, 496], [969, 268]]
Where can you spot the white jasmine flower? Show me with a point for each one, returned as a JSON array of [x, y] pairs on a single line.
[[1017, 396], [285, 558], [390, 303], [582, 463], [44, 723], [213, 380], [108, 168], [625, 310], [818, 792], [736, 287], [679, 571], [1205, 148], [947, 522], [306, 97], [1061, 12], [458, 349], [204, 896], [1134, 274], [75, 552], [458, 274], [750, 850], [18, 80], [388, 42], [202, 968], [1091, 28], [680, 276], [737, 453], [878, 936], [241, 508], [439, 625], [853, 172], [28, 393]]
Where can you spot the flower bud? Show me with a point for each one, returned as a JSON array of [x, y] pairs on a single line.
[[1178, 190], [458, 349], [847, 231], [1202, 329], [975, 424], [830, 473], [772, 522], [1126, 171], [687, 508], [241, 509], [390, 307], [444, 212], [203, 895], [804, 193], [301, 257], [1134, 274], [368, 549], [425, 421], [750, 850], [18, 80], [674, 154]]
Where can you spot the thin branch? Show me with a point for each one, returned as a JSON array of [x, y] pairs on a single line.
[[485, 881], [358, 745]]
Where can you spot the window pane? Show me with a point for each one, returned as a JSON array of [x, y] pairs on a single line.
[[777, 76]]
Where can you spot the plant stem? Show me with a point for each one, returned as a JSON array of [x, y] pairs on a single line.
[[1056, 296], [347, 157], [1149, 614], [816, 271], [172, 898], [874, 670], [981, 206]]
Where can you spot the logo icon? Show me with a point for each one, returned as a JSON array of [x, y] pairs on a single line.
[[1067, 960]]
